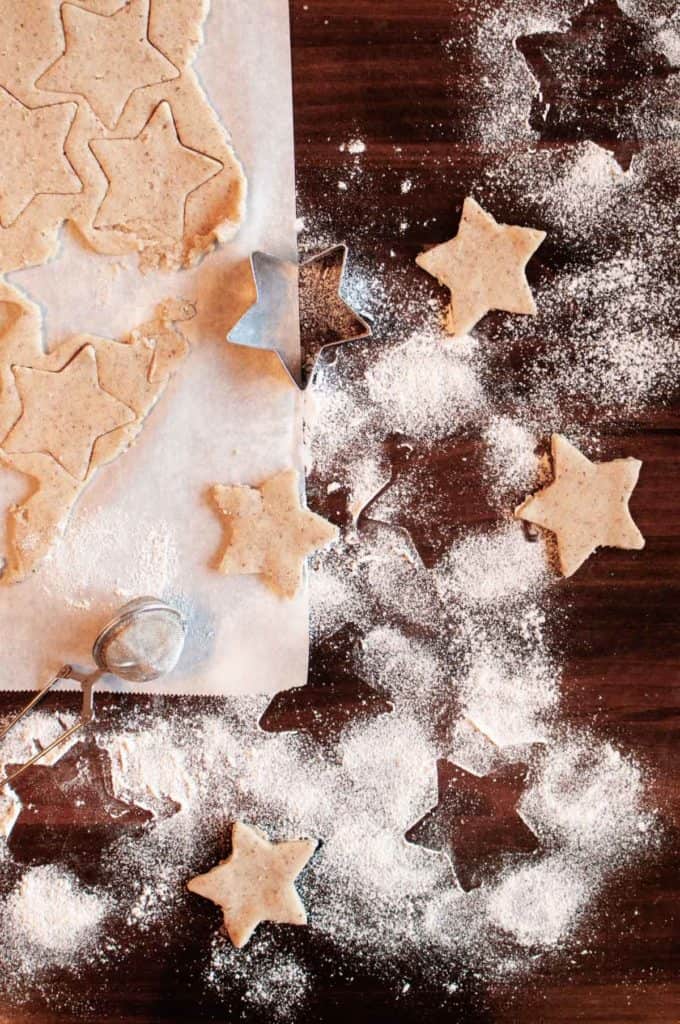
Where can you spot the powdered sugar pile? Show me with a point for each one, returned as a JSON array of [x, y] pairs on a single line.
[[51, 913]]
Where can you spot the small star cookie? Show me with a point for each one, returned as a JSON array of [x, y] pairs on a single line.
[[269, 532], [483, 267], [256, 883], [106, 58], [64, 412], [33, 161], [586, 505]]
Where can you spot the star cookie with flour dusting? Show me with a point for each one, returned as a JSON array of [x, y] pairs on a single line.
[[483, 267], [269, 531], [586, 505], [256, 882]]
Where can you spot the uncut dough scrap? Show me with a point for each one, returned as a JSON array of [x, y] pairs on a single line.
[[256, 883], [106, 86], [83, 405], [269, 532]]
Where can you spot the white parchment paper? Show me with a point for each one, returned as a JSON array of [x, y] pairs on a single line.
[[146, 524]]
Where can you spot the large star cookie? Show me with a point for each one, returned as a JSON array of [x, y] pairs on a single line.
[[33, 161], [483, 267], [256, 883], [269, 532], [106, 58], [150, 178], [64, 412], [586, 505]]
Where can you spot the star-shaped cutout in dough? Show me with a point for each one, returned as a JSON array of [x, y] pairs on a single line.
[[333, 696], [313, 289], [150, 178], [64, 412], [106, 58], [483, 267], [33, 161], [476, 822], [256, 882], [269, 532], [578, 95], [586, 505]]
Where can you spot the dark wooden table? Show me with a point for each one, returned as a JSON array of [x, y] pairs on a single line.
[[377, 70]]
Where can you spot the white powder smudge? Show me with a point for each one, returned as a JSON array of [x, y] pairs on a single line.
[[76, 571], [510, 703], [427, 385], [539, 904], [510, 456], [147, 767], [51, 915], [483, 568]]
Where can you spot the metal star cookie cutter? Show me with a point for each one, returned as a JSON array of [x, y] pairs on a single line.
[[303, 298], [143, 642]]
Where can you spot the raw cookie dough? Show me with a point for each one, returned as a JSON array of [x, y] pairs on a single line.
[[66, 413], [586, 506], [269, 532], [256, 883], [483, 267], [32, 160], [119, 70]]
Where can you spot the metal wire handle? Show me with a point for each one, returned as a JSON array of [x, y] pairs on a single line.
[[87, 683]]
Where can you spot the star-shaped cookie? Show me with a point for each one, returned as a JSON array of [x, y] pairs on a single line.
[[269, 532], [475, 821], [483, 267], [150, 178], [256, 882], [64, 412], [586, 505], [106, 58], [33, 161]]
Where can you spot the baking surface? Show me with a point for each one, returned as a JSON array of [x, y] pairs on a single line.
[[176, 461], [378, 72]]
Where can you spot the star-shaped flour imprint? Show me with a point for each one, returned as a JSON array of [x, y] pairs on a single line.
[[476, 822], [69, 811], [269, 532], [578, 96], [150, 178], [106, 58], [64, 412], [33, 161], [334, 695], [257, 882], [586, 505], [483, 267]]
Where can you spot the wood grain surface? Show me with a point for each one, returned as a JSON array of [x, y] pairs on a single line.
[[378, 70]]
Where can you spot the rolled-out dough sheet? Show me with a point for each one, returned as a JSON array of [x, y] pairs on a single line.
[[146, 522]]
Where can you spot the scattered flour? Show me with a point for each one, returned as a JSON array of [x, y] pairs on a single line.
[[76, 571], [484, 568]]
